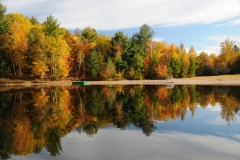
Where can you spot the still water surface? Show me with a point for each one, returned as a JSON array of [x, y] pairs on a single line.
[[120, 123]]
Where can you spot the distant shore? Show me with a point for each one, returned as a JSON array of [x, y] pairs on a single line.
[[206, 80]]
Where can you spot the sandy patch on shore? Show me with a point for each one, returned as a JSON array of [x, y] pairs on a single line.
[[207, 80], [184, 81]]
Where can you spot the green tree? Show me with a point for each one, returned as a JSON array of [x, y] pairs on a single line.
[[193, 62], [154, 62], [235, 48], [192, 67], [3, 29], [120, 45], [144, 36], [51, 26], [135, 62], [89, 34], [34, 21], [175, 67], [95, 65], [6, 141], [3, 19], [53, 142], [138, 64]]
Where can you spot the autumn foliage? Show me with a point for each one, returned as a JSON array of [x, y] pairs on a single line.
[[33, 50]]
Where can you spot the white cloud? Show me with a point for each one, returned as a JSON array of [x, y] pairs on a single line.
[[210, 49], [158, 39], [217, 121], [119, 14], [235, 22], [215, 42], [221, 24], [222, 38], [132, 144], [216, 108], [236, 136]]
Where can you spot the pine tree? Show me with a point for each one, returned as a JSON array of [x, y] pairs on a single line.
[[51, 26]]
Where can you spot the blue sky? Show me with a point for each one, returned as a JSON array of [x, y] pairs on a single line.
[[202, 24]]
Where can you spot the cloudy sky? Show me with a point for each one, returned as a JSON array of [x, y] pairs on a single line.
[[202, 24]]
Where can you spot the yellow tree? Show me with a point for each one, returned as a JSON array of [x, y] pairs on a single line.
[[213, 60], [192, 52], [23, 137], [103, 44], [77, 56], [85, 49], [186, 63], [203, 64], [162, 49], [226, 51], [59, 56], [59, 51], [224, 58], [16, 44], [184, 59], [38, 48]]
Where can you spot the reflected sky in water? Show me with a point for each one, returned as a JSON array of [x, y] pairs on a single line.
[[204, 136]]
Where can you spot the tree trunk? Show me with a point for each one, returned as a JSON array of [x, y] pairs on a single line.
[[79, 65], [20, 69], [13, 64]]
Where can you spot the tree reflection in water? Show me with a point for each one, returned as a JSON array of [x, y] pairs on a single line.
[[34, 118]]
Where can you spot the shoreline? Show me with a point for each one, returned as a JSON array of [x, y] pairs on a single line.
[[212, 80]]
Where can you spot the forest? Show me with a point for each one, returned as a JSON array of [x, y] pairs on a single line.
[[35, 118], [33, 50]]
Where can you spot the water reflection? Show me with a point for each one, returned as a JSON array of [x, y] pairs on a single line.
[[35, 118]]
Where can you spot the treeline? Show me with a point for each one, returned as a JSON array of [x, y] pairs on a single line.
[[30, 49]]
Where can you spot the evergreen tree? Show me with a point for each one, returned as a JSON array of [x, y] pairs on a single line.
[[175, 67], [51, 26], [95, 65], [3, 29], [53, 142], [120, 45], [192, 67], [34, 21], [3, 19], [88, 34], [144, 36]]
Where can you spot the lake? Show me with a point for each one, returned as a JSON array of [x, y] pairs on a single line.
[[136, 122]]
